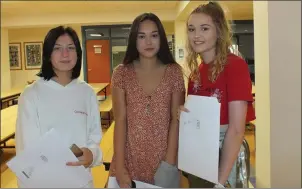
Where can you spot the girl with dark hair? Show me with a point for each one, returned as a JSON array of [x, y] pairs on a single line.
[[147, 90], [221, 74], [59, 100]]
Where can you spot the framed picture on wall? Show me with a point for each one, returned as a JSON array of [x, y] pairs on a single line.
[[33, 55], [15, 60]]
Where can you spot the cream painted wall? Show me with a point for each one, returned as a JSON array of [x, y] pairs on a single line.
[[180, 43], [261, 38], [285, 86], [101, 18], [169, 27], [5, 69], [20, 77], [180, 40], [278, 93]]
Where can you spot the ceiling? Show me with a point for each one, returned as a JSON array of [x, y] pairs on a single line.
[[238, 10], [23, 8], [234, 10], [16, 13]]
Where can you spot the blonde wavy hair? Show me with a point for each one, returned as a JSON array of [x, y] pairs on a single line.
[[223, 44]]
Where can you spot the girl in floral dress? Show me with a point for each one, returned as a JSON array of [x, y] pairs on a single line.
[[147, 90]]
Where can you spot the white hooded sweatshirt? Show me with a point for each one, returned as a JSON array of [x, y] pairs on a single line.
[[71, 109]]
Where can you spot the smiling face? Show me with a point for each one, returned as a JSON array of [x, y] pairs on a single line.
[[202, 33], [148, 39], [64, 55]]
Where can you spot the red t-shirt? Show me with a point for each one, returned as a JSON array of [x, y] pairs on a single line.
[[233, 83]]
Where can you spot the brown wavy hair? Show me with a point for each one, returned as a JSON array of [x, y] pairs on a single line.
[[223, 44]]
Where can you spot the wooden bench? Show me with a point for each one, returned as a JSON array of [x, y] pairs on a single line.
[[105, 108], [9, 101], [9, 98]]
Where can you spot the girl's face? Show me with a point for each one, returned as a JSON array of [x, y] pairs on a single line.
[[64, 55], [202, 33], [148, 39]]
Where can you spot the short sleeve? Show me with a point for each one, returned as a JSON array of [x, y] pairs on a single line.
[[178, 79], [117, 80], [239, 85]]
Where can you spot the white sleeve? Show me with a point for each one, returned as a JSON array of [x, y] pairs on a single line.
[[94, 132], [27, 123]]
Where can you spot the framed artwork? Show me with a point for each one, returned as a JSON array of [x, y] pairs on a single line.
[[33, 55], [15, 59]]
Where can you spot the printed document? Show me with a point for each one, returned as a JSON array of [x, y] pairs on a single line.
[[199, 131], [43, 165]]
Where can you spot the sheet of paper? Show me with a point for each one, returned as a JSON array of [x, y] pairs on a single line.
[[112, 183], [43, 164], [199, 130]]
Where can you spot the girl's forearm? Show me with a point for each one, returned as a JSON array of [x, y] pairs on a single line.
[[172, 150], [230, 150]]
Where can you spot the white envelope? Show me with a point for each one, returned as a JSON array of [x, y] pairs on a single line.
[[198, 152], [112, 183], [43, 165]]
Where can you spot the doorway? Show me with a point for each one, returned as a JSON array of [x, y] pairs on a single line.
[[98, 61]]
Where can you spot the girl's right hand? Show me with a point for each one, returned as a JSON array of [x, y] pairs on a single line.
[[123, 178], [180, 109]]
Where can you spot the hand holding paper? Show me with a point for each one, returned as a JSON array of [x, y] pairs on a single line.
[[123, 177], [181, 109], [85, 160], [199, 129], [43, 164]]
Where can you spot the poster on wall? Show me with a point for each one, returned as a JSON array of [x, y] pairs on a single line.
[[33, 55], [15, 61]]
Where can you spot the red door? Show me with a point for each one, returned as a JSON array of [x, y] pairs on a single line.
[[98, 61]]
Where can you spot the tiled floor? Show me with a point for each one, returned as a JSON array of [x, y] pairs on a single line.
[[8, 179]]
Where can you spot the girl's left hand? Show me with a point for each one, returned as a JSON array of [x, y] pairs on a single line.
[[181, 109], [85, 160]]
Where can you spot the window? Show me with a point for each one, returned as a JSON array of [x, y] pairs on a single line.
[[96, 33], [120, 31], [119, 47]]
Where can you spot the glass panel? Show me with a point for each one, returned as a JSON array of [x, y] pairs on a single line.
[[244, 28], [119, 47], [246, 46], [96, 33], [238, 28], [120, 31]]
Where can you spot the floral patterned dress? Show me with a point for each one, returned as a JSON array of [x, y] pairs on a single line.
[[148, 120]]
